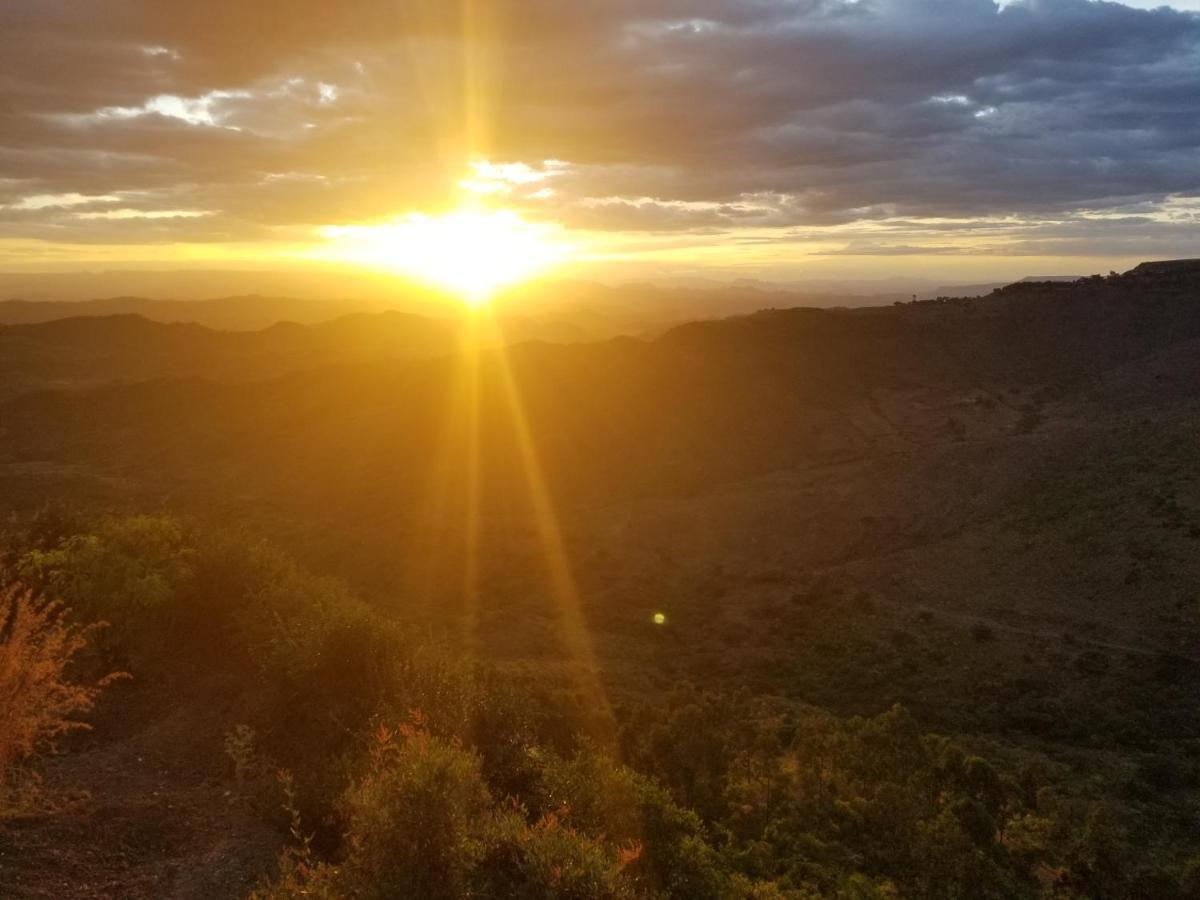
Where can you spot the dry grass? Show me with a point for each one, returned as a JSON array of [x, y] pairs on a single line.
[[40, 701]]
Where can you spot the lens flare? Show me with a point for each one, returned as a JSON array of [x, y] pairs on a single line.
[[471, 253]]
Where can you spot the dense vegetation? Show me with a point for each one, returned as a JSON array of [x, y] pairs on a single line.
[[413, 771]]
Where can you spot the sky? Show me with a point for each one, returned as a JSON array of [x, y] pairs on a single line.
[[784, 139]]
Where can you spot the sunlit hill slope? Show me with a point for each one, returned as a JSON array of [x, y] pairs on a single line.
[[987, 510]]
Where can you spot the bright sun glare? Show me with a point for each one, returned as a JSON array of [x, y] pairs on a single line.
[[471, 253]]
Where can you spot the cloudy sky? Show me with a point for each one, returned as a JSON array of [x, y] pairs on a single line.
[[780, 138]]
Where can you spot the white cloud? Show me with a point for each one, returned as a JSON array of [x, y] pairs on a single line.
[[56, 201], [203, 110], [312, 177], [128, 213], [1182, 5], [157, 51], [502, 178]]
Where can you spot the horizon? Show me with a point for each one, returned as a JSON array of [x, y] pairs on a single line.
[[342, 282]]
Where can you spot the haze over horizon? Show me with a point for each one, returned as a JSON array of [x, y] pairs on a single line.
[[951, 140]]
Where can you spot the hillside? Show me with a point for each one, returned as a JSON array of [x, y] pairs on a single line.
[[727, 399], [90, 351], [93, 350], [245, 313], [986, 510], [868, 432]]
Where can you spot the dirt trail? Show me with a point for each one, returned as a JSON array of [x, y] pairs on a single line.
[[1051, 634], [146, 816]]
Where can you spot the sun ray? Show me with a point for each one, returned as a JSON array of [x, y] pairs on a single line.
[[561, 579], [473, 252], [449, 509], [472, 500]]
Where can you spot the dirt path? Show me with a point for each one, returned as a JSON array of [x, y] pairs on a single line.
[[1051, 634], [146, 816]]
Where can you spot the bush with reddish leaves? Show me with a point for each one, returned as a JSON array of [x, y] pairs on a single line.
[[40, 701]]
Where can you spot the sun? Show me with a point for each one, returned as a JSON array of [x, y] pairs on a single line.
[[471, 253]]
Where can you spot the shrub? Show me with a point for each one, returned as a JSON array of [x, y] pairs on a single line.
[[550, 861], [125, 566], [39, 701], [301, 874], [239, 747], [604, 799], [421, 822], [126, 571], [417, 819]]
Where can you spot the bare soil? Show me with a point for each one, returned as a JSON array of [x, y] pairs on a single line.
[[152, 814]]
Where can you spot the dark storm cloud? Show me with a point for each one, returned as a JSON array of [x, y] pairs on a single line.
[[670, 115]]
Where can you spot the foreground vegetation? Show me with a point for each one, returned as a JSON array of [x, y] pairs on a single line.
[[402, 766], [40, 702]]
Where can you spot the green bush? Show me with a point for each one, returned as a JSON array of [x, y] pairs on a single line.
[[601, 798], [550, 861], [421, 823], [419, 820], [126, 571]]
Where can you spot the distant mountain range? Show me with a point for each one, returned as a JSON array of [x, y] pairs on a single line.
[[555, 311], [591, 311], [245, 313], [73, 344], [721, 396]]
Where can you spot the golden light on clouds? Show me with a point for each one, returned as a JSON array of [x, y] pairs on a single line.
[[470, 252], [163, 141]]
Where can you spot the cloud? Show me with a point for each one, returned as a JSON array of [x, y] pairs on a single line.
[[126, 212], [203, 110], [660, 115], [872, 249], [55, 201]]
